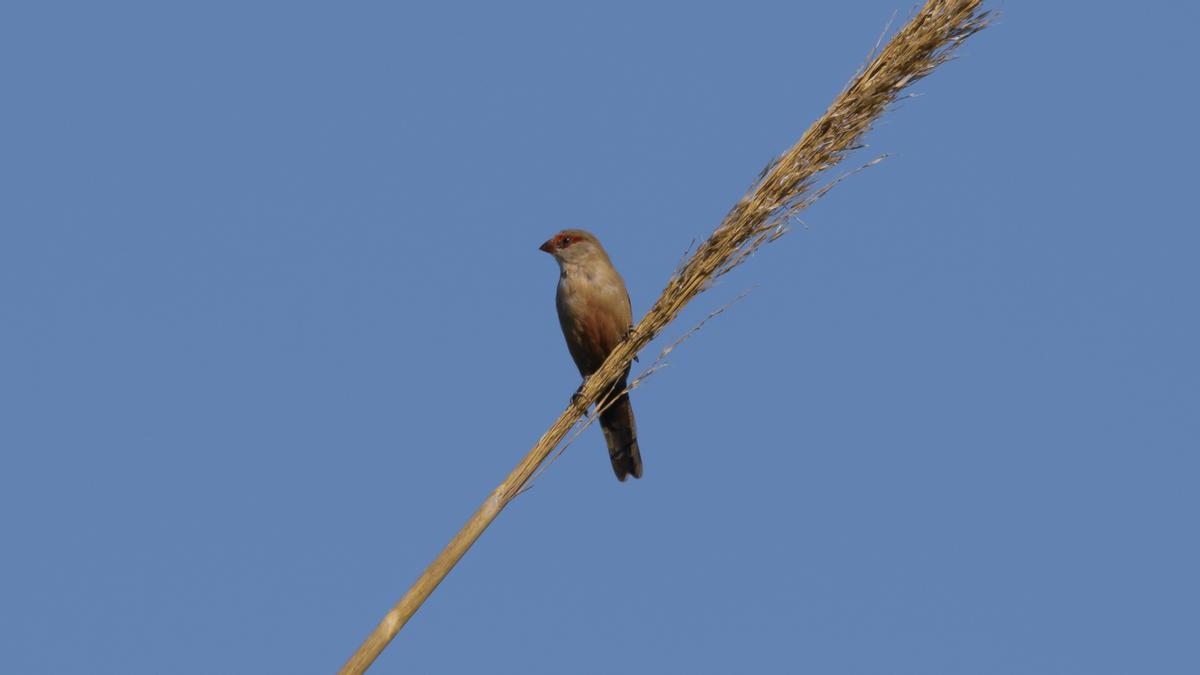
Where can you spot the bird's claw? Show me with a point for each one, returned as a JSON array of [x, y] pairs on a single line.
[[576, 399]]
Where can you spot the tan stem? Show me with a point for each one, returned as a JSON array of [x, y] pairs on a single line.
[[783, 189]]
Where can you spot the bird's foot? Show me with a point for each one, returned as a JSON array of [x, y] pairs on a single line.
[[577, 399], [630, 332]]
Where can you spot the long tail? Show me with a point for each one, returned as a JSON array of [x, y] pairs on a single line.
[[620, 431]]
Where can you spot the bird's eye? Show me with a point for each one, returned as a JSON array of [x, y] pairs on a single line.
[[566, 241]]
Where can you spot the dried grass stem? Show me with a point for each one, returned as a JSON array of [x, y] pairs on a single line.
[[784, 188]]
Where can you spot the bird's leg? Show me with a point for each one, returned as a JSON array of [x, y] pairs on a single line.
[[629, 332], [577, 396]]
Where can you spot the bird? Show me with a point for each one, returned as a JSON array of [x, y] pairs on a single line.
[[595, 315]]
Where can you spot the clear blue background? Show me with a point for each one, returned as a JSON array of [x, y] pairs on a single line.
[[274, 323]]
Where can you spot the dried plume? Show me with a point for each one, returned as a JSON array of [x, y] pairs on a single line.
[[785, 187]]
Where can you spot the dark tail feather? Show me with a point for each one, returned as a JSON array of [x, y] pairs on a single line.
[[620, 431]]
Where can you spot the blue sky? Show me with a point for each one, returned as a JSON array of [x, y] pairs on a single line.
[[275, 322]]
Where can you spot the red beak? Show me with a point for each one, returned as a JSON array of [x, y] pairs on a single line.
[[548, 246]]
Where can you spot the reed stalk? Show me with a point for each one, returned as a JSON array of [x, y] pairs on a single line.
[[785, 187]]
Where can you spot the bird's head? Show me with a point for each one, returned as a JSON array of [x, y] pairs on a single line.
[[572, 247]]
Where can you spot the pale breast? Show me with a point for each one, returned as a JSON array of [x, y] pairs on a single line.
[[594, 313]]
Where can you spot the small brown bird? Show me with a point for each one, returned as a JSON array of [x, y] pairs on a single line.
[[594, 312]]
